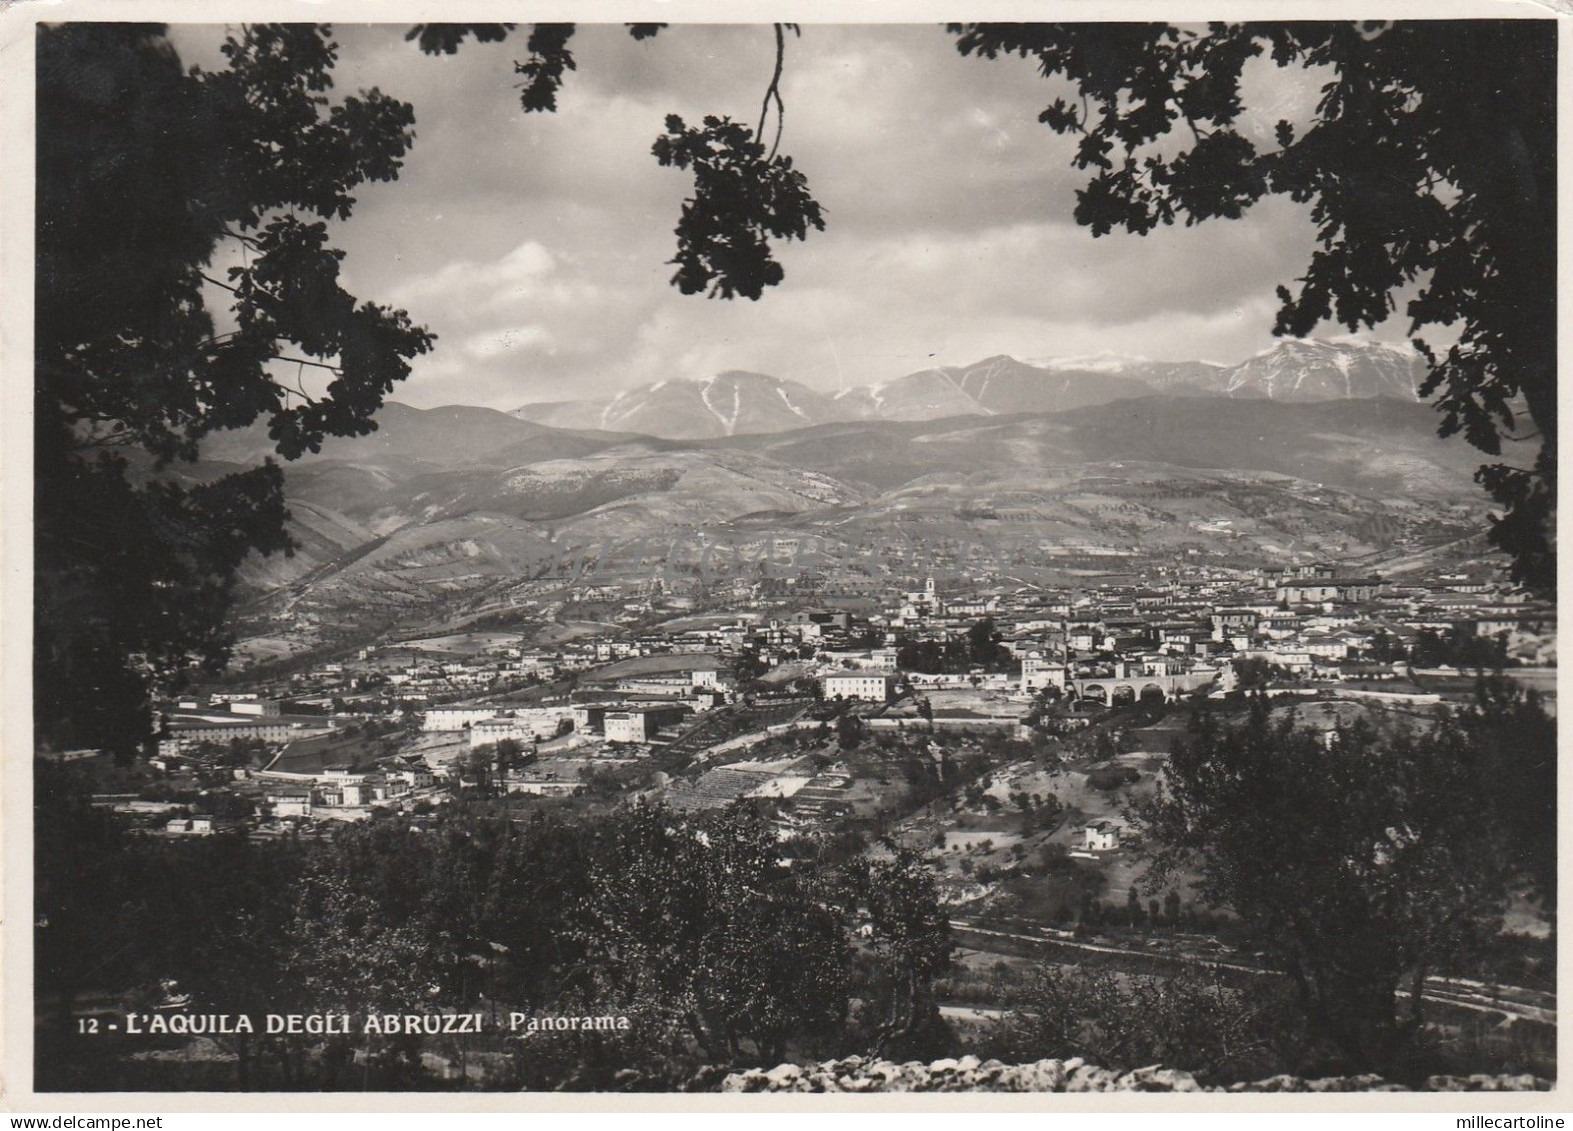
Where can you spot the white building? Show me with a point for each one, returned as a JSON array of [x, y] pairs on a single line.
[[874, 687], [1038, 673], [291, 803], [640, 724], [523, 725], [455, 718], [1102, 836], [269, 707], [190, 826]]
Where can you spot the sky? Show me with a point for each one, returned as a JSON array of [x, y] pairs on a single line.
[[536, 246]]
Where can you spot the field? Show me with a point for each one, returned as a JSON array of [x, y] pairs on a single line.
[[653, 665], [463, 643], [964, 702]]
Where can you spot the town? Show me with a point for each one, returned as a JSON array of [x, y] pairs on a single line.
[[1062, 703]]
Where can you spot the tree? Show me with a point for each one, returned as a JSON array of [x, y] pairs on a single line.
[[1121, 1022], [149, 172], [1362, 860], [745, 194], [983, 644], [1414, 181], [509, 751], [1516, 741], [911, 937], [1459, 647], [88, 921], [849, 730], [700, 920], [145, 172]]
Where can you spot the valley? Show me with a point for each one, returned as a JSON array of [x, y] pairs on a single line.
[[447, 516]]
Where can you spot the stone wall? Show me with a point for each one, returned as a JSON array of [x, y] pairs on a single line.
[[968, 1074]]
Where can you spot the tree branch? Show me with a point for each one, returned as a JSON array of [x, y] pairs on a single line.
[[773, 91], [304, 361]]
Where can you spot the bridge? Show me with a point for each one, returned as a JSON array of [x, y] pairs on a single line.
[[1109, 690]]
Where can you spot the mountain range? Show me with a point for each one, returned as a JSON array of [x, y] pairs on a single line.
[[739, 403], [445, 515]]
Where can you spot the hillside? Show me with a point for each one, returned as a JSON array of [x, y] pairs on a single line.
[[456, 526], [451, 436], [1377, 447], [723, 405], [737, 403]]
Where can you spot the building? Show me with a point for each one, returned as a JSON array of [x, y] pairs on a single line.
[[190, 732], [267, 707], [589, 718], [1038, 673], [640, 724], [195, 825], [455, 718], [1307, 592], [1102, 836], [523, 725], [290, 802], [872, 687]]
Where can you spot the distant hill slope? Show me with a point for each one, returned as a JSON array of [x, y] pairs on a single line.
[[450, 436], [737, 403], [726, 404], [456, 512], [1379, 446]]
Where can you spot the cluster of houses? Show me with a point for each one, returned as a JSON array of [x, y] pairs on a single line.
[[345, 792], [1116, 638], [1309, 621]]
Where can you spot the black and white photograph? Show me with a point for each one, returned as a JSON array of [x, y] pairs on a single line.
[[765, 558]]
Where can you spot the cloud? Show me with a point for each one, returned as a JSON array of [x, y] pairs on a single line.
[[516, 339], [520, 269], [537, 246]]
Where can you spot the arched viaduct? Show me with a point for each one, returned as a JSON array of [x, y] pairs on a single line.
[[1118, 689]]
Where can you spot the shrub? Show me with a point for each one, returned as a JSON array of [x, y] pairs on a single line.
[[1110, 778]]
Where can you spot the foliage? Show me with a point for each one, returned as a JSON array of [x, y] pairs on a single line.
[[702, 922], [1416, 183], [980, 647], [1110, 778], [743, 198], [1252, 673], [1362, 859], [716, 945], [1124, 1021], [85, 908], [146, 173], [1516, 742], [745, 195], [910, 935], [1459, 647]]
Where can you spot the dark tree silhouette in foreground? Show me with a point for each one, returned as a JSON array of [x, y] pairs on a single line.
[[1364, 859], [1429, 162], [144, 171]]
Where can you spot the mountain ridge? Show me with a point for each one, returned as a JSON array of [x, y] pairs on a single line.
[[736, 402]]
